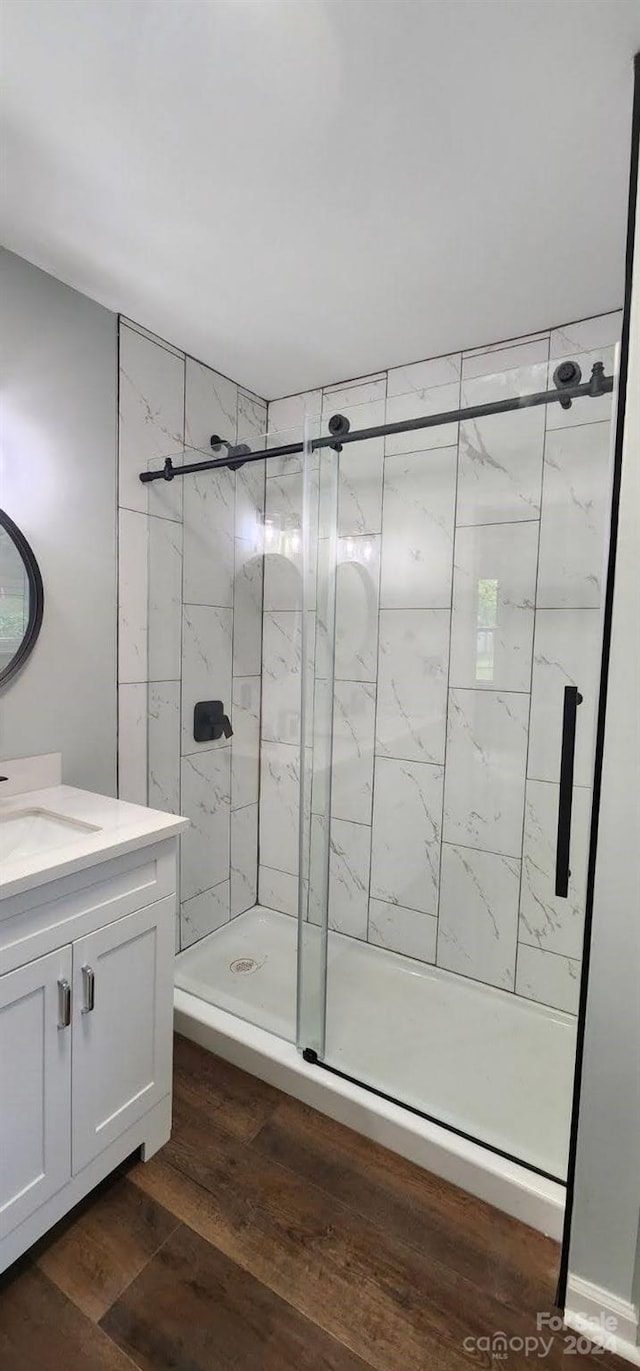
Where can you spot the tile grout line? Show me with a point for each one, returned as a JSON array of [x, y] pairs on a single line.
[[207, 891], [415, 957], [164, 518], [550, 952]]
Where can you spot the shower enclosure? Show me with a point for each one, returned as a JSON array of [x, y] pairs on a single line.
[[387, 859]]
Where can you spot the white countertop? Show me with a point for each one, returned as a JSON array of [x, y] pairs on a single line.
[[118, 827]]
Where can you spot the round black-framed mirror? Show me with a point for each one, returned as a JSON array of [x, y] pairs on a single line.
[[21, 599]]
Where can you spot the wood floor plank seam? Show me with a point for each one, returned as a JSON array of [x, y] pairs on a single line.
[[442, 1337], [79, 1337], [210, 1292], [287, 1105], [178, 1225], [443, 1342], [379, 1221], [95, 1252], [280, 1113], [304, 1313], [154, 1254], [350, 1205], [277, 1291], [343, 1206]]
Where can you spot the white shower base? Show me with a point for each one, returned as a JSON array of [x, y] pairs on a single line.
[[495, 1066]]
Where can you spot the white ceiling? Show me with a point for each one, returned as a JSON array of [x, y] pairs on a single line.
[[298, 191]]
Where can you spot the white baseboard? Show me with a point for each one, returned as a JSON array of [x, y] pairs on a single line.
[[603, 1318]]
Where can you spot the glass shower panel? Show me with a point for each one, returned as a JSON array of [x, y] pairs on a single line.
[[468, 596], [239, 618], [320, 495]]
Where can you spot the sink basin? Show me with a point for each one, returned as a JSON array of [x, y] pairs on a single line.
[[29, 832]]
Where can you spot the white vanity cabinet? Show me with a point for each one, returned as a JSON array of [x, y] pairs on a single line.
[[86, 1010], [35, 1087], [122, 1026]]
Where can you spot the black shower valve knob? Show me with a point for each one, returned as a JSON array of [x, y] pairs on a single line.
[[210, 722]]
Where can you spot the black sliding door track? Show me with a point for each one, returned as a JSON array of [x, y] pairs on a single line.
[[313, 1059], [340, 432]]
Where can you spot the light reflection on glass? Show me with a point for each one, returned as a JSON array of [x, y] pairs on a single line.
[[282, 536], [486, 623], [355, 549]]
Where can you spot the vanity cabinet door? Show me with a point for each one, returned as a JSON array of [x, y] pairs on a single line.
[[122, 1030], [35, 1085]]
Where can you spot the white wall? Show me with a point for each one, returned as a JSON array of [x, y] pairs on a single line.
[[58, 483], [604, 1234]]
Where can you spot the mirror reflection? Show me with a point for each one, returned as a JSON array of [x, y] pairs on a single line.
[[21, 598], [14, 600]]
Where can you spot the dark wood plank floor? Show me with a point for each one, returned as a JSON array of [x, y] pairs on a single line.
[[266, 1237]]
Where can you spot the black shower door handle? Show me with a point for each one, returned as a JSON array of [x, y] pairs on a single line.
[[572, 698]]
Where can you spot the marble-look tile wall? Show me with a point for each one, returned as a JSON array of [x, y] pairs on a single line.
[[190, 621], [469, 590]]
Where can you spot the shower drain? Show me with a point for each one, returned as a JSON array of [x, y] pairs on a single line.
[[243, 965]]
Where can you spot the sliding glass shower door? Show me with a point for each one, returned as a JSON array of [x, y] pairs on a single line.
[[460, 574], [319, 537]]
